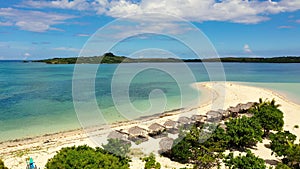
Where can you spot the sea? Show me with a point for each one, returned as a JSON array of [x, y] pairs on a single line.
[[39, 98]]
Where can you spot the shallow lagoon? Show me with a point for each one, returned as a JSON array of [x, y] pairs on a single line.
[[36, 98]]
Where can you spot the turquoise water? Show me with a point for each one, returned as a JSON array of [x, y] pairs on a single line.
[[36, 98]]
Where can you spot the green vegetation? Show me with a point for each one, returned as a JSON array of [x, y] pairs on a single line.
[[2, 166], [288, 59], [282, 166], [86, 157], [108, 58], [268, 115], [190, 149], [204, 149], [118, 147], [111, 58], [151, 162], [249, 161], [203, 146], [243, 132], [296, 126], [281, 142]]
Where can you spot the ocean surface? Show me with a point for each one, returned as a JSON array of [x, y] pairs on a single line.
[[37, 98]]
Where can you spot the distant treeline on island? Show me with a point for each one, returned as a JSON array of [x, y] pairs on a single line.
[[110, 58]]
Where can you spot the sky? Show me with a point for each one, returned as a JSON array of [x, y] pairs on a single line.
[[31, 29]]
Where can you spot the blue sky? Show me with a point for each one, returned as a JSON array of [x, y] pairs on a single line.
[[31, 29]]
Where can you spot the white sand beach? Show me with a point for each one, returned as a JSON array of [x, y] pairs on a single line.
[[14, 153]]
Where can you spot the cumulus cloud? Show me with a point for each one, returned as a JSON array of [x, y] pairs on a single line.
[[239, 11], [247, 49], [34, 21]]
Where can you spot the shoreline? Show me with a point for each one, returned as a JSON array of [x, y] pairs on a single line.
[[43, 147]]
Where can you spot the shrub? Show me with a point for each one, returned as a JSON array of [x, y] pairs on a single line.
[[118, 147], [250, 161], [151, 162], [269, 116], [282, 166], [86, 157], [280, 142], [243, 132], [2, 166]]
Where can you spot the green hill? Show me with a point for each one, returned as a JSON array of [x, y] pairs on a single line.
[[110, 58]]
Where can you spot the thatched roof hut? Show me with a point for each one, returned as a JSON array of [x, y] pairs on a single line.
[[166, 144], [117, 135], [247, 106], [137, 131], [184, 120], [155, 127], [213, 116], [198, 118], [169, 124], [234, 109]]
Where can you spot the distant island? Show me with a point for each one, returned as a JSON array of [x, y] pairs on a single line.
[[110, 58]]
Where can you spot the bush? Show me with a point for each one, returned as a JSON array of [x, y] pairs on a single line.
[[86, 157], [280, 142], [151, 162], [118, 147], [250, 161], [243, 132], [190, 149], [2, 166], [269, 116], [282, 166]]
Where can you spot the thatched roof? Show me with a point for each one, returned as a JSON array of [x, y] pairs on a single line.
[[197, 117], [213, 114], [184, 120], [117, 135], [166, 143], [170, 124], [156, 127], [248, 105], [234, 109], [137, 131]]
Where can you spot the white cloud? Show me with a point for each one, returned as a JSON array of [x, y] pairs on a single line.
[[285, 27], [81, 5], [67, 49], [82, 35], [247, 49], [6, 24], [27, 54], [238, 11], [34, 21], [62, 4]]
